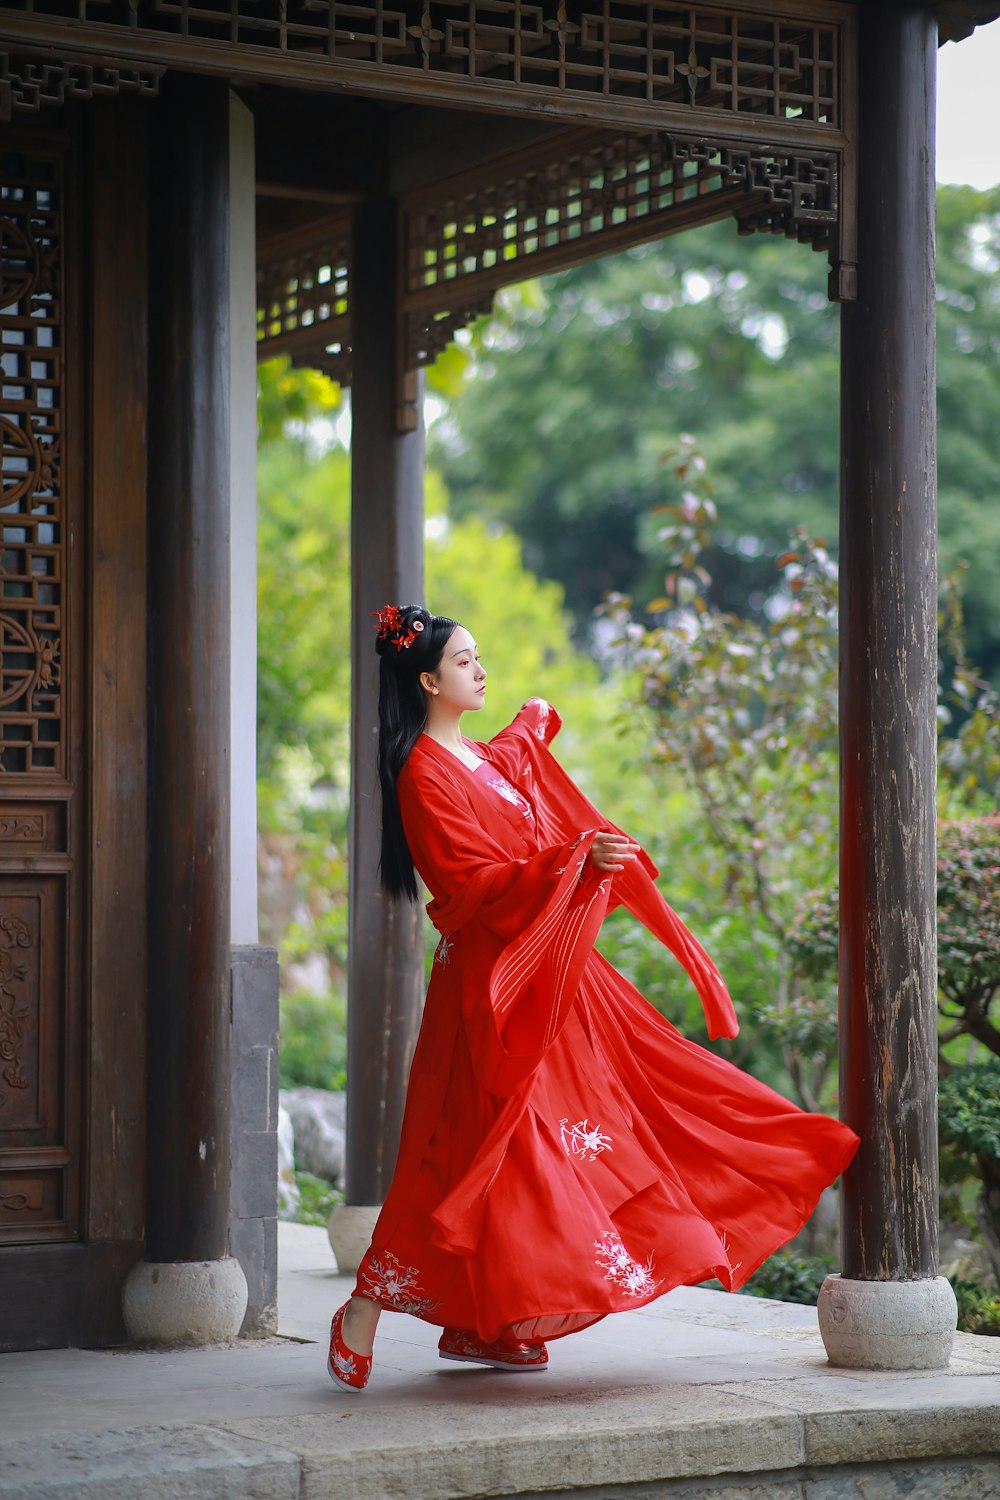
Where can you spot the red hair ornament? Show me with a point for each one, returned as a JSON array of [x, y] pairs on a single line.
[[390, 627]]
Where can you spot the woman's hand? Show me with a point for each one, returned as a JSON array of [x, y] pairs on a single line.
[[612, 851]]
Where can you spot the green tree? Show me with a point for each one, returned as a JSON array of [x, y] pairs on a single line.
[[577, 380], [745, 712], [560, 428]]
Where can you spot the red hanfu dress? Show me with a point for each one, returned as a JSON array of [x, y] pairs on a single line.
[[566, 1152]]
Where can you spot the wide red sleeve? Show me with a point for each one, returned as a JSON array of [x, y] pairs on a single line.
[[525, 927], [463, 860], [559, 803]]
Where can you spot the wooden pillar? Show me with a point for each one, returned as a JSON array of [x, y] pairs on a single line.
[[189, 461], [889, 663], [385, 964], [888, 671]]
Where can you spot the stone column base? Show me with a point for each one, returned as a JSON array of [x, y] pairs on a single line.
[[185, 1302], [349, 1231], [888, 1325]]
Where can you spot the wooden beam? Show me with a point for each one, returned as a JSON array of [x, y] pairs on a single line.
[[888, 624], [251, 64], [318, 147], [429, 145]]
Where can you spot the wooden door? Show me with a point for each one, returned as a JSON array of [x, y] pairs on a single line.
[[72, 712], [40, 782]]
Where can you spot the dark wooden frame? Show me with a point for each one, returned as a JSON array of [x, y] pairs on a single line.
[[58, 1293]]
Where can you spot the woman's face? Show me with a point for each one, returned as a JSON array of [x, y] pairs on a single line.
[[460, 680]]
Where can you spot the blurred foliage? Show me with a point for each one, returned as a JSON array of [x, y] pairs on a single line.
[[791, 1278], [290, 398], [968, 872], [968, 900], [576, 378], [744, 710], [969, 1107], [316, 1199], [978, 1307], [313, 1030]]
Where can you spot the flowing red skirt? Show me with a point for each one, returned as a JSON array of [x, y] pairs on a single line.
[[632, 1161]]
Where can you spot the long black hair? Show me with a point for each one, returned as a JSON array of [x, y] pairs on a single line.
[[410, 640]]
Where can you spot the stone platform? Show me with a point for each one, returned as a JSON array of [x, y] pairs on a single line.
[[699, 1395]]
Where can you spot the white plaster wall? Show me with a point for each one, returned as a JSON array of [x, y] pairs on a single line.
[[243, 537]]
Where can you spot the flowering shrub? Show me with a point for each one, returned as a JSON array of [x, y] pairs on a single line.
[[968, 872]]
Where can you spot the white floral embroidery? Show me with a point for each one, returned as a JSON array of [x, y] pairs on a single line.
[[509, 794], [734, 1265], [442, 954], [635, 1280], [505, 789], [394, 1285], [543, 716], [583, 1140]]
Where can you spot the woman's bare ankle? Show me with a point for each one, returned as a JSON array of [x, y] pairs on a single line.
[[360, 1321]]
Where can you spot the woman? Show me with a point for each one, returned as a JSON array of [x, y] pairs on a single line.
[[565, 1152]]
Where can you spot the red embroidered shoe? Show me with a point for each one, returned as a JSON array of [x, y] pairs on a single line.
[[347, 1370], [508, 1354]]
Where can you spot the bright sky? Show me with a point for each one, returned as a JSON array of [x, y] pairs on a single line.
[[968, 109]]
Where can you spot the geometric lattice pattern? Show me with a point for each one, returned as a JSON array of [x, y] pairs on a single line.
[[32, 505], [460, 247], [585, 194], [540, 212], [30, 83], [792, 193], [302, 298], [743, 61]]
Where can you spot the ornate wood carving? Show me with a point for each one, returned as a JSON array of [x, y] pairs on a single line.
[[540, 209], [38, 1027], [28, 82], [30, 829], [34, 1161], [633, 56], [32, 567], [302, 298], [800, 191], [20, 1025]]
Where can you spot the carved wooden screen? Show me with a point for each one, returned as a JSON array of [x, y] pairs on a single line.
[[38, 899], [578, 195], [302, 298], [633, 56]]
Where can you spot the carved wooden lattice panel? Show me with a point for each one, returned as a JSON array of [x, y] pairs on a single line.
[[625, 189], [588, 194], [29, 83], [31, 513], [743, 61], [38, 1194], [302, 298]]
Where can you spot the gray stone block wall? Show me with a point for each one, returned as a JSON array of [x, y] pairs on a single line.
[[253, 1227]]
